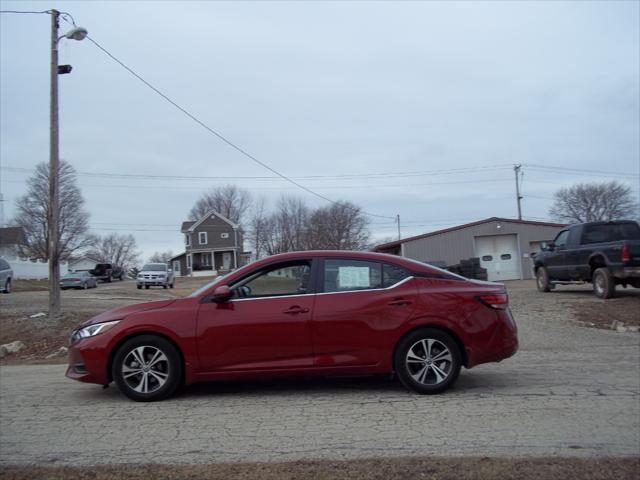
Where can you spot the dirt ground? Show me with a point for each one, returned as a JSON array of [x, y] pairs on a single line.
[[44, 337], [432, 468]]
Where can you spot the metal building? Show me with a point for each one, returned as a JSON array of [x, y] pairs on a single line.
[[503, 245]]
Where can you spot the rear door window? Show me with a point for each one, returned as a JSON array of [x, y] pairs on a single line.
[[343, 275]]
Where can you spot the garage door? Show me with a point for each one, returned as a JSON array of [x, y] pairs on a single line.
[[499, 255]]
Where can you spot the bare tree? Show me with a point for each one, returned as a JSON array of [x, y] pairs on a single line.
[[33, 210], [161, 257], [120, 250], [293, 226], [256, 226], [339, 226], [230, 201], [590, 202]]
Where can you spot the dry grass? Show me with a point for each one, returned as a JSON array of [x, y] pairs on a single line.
[[431, 468], [19, 285]]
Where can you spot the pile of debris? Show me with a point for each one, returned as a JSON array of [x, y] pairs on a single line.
[[469, 268]]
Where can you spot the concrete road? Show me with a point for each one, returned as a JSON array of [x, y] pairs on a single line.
[[570, 391]]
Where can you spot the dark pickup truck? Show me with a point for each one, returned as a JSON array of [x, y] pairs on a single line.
[[605, 254], [107, 272]]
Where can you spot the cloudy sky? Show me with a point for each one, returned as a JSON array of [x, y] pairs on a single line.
[[439, 99]]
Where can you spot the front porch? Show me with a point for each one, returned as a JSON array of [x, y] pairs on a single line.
[[213, 261]]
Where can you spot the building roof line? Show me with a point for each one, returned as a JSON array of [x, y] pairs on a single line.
[[397, 243]]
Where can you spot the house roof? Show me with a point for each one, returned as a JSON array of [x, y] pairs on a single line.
[[175, 257], [194, 225], [397, 243], [11, 235], [186, 226], [83, 257]]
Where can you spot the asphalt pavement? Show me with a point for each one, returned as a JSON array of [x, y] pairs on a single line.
[[569, 391]]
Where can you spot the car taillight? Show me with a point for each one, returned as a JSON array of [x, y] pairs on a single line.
[[499, 301], [626, 253]]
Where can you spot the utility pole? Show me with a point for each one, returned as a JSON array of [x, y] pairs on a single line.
[[516, 169], [54, 210], [398, 220]]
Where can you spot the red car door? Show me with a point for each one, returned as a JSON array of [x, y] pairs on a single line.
[[264, 326], [359, 306]]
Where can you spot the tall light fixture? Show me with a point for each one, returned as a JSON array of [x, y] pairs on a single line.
[[77, 33]]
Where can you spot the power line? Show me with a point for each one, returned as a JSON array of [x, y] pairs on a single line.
[[252, 177], [218, 135], [580, 171]]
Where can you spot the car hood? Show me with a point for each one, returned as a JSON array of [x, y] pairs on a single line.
[[121, 312]]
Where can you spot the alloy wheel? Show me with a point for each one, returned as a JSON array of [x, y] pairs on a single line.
[[429, 361], [145, 369]]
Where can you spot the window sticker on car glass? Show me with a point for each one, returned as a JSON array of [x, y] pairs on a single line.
[[353, 277]]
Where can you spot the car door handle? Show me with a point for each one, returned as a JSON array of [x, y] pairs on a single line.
[[399, 302], [295, 310]]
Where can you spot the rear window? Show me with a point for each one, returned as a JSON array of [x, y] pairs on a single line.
[[612, 232], [4, 265]]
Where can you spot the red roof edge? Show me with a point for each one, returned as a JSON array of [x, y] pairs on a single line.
[[397, 243]]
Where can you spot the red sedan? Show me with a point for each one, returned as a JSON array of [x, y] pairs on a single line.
[[304, 313]]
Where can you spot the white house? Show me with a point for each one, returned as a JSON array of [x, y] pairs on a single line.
[[23, 268]]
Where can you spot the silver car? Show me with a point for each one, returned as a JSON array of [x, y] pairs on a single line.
[[155, 274], [78, 280], [6, 276]]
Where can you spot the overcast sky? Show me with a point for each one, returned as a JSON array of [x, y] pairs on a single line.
[[326, 88]]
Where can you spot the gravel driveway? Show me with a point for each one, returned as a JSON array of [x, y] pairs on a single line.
[[569, 391]]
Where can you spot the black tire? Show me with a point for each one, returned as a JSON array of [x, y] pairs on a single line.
[[171, 368], [146, 287], [604, 286], [139, 287], [542, 280], [164, 286], [7, 286], [171, 285], [85, 286], [408, 365]]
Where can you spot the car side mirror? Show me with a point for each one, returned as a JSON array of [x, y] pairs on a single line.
[[221, 294], [551, 246]]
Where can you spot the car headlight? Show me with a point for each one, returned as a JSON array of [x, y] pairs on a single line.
[[93, 330], [162, 275], [140, 275]]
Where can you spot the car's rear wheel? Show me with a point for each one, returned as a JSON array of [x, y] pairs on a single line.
[[428, 361], [542, 280], [147, 368], [603, 284]]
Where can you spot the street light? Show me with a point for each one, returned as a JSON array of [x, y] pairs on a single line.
[[77, 33]]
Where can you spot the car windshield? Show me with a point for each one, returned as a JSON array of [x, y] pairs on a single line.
[[72, 275], [154, 267], [207, 286]]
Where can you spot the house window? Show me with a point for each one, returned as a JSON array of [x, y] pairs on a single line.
[[187, 241], [188, 261], [224, 235], [205, 259], [202, 238]]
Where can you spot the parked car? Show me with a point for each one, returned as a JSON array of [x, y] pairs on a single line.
[[6, 276], [78, 280], [306, 313], [605, 254], [155, 274], [107, 272]]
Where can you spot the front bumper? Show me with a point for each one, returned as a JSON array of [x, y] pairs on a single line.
[[88, 360], [157, 282]]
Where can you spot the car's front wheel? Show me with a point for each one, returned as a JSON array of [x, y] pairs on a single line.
[[7, 286], [147, 368], [428, 361]]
